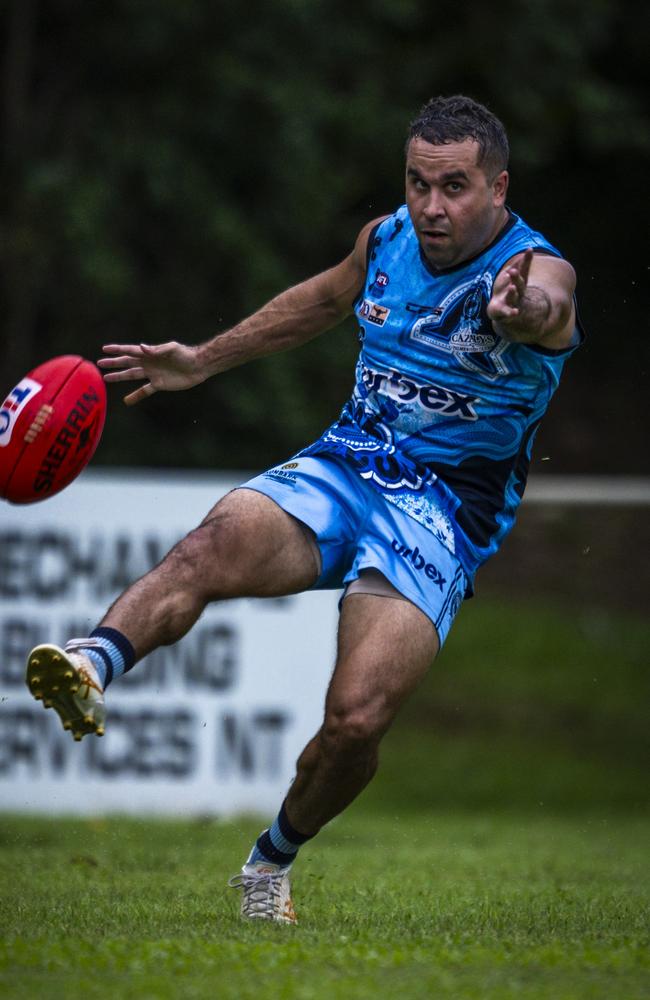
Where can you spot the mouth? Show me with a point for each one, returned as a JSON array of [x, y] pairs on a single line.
[[434, 235]]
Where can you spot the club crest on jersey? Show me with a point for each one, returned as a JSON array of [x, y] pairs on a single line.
[[13, 406], [374, 313], [459, 327]]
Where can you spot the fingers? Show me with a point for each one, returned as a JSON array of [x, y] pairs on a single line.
[[512, 294], [139, 394], [123, 361], [135, 350], [516, 285], [501, 311], [504, 312], [130, 362], [125, 364], [518, 272], [505, 305], [126, 375], [138, 350], [125, 355], [526, 261]]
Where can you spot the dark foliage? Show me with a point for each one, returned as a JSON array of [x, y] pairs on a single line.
[[169, 166]]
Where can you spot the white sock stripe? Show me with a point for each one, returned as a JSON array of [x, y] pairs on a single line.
[[98, 642], [115, 656]]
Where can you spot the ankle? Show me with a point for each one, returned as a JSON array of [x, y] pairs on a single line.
[[109, 651], [279, 845]]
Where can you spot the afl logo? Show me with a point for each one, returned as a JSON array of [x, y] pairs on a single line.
[[379, 284], [13, 406]]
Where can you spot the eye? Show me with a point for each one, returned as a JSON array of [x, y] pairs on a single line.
[[454, 187]]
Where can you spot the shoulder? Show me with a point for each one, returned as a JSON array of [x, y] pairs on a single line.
[[516, 237], [364, 241], [388, 234], [548, 265]]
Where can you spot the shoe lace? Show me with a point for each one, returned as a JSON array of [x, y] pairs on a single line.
[[78, 645], [72, 645], [261, 889]]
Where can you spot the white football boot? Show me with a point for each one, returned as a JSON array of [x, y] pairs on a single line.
[[266, 892], [67, 681]]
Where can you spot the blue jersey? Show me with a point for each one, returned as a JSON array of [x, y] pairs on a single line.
[[444, 411]]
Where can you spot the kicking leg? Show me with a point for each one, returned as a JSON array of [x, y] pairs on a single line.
[[247, 546]]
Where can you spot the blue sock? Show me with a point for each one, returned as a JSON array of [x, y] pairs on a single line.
[[280, 843], [113, 656]]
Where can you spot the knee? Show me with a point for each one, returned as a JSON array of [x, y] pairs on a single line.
[[185, 559], [352, 727], [201, 562]]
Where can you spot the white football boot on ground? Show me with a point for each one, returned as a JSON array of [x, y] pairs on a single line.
[[68, 682], [266, 892]]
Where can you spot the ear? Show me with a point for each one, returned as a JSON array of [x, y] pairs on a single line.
[[500, 188]]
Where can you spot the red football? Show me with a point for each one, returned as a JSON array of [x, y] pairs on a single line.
[[50, 426]]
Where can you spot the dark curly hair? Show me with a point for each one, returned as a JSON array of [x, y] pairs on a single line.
[[453, 119]]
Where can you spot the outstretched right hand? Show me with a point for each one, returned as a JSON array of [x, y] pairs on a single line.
[[166, 367]]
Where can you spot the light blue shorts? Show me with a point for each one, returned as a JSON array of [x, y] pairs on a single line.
[[357, 529]]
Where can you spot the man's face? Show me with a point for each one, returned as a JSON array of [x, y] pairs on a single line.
[[455, 208]]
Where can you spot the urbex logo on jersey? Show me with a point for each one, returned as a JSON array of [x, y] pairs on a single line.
[[13, 405], [417, 560], [437, 398]]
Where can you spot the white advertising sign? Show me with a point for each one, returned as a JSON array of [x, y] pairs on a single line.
[[212, 725]]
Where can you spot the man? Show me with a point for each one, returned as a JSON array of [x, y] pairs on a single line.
[[466, 318]]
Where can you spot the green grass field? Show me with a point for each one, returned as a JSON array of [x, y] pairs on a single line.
[[440, 905], [501, 853]]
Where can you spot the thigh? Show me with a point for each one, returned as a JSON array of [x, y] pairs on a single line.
[[410, 553], [385, 648], [250, 547], [326, 496]]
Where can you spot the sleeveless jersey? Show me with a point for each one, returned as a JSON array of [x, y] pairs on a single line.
[[444, 411]]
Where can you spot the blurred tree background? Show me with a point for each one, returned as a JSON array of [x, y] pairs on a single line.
[[169, 165]]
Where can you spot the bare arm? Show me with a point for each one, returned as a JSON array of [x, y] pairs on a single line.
[[290, 319], [532, 301]]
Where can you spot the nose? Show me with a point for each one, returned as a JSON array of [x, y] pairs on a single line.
[[434, 207]]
